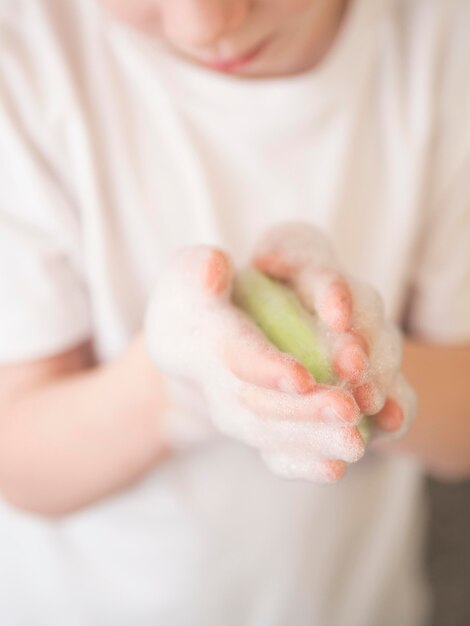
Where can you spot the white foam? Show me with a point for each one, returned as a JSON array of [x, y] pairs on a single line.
[[188, 331]]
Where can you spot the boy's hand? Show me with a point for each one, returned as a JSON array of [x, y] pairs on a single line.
[[255, 393], [365, 351]]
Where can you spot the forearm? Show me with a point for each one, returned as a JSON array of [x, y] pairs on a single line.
[[440, 436], [76, 440]]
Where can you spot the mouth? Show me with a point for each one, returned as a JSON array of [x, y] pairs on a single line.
[[235, 63]]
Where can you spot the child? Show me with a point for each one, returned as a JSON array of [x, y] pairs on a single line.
[[131, 130]]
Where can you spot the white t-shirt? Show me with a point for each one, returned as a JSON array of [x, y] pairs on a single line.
[[114, 155]]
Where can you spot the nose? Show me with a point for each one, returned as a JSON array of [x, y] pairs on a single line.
[[202, 22]]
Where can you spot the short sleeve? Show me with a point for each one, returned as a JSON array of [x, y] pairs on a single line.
[[439, 307], [43, 301]]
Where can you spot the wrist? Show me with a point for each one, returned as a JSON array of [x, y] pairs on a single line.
[[146, 395], [173, 411]]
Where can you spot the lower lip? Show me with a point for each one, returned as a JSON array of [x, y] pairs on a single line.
[[231, 65]]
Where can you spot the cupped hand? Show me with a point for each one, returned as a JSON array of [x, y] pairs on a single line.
[[365, 349], [255, 393]]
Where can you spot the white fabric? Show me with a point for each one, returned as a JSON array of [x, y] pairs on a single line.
[[112, 156]]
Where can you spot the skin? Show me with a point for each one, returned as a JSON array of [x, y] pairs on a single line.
[[299, 32], [440, 436], [72, 432], [112, 434]]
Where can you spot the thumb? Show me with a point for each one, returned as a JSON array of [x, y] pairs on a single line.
[[203, 270], [195, 277]]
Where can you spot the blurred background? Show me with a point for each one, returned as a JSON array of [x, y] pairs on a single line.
[[448, 552]]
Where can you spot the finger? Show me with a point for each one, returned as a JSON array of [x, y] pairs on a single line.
[[309, 439], [325, 404], [350, 360], [217, 273], [361, 340], [196, 277], [314, 470], [247, 354], [287, 247], [298, 254], [369, 397], [293, 437], [325, 291], [391, 417], [368, 313], [204, 269], [403, 401], [270, 369], [322, 290], [384, 364]]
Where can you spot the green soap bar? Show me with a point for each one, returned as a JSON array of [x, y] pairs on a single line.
[[365, 428], [285, 322], [282, 318]]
